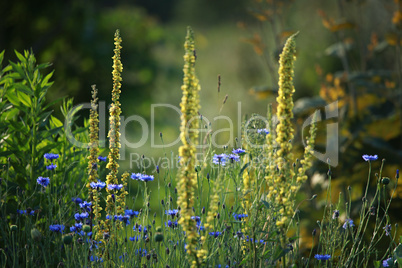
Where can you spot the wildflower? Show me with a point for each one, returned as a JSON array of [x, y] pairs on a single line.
[[97, 185], [239, 151], [239, 216], [102, 158], [215, 234], [387, 229], [171, 224], [56, 228], [233, 158], [125, 219], [336, 214], [172, 212], [136, 176], [219, 159], [77, 227], [387, 262], [51, 157], [134, 238], [264, 131], [86, 205], [115, 186], [397, 174], [24, 212], [96, 259], [370, 157], [43, 181], [51, 167], [131, 213], [81, 216], [146, 178], [348, 223], [196, 218], [76, 200], [322, 257]]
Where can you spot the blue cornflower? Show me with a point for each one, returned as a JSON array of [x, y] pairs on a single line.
[[239, 216], [134, 238], [56, 228], [263, 130], [142, 252], [76, 200], [43, 181], [81, 216], [86, 206], [215, 234], [51, 167], [147, 178], [76, 228], [387, 229], [196, 218], [348, 223], [239, 151], [233, 158], [387, 262], [108, 217], [96, 259], [322, 257], [21, 212], [102, 158], [137, 228], [172, 212], [51, 157], [171, 224], [125, 219], [97, 185], [115, 186], [136, 176], [219, 159], [370, 157], [131, 213]]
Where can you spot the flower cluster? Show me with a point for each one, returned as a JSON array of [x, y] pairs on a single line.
[[98, 185], [223, 159], [57, 228], [370, 157], [239, 217], [51, 157], [348, 223], [44, 182], [142, 177], [322, 257]]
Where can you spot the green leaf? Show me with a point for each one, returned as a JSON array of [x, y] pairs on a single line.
[[377, 264], [266, 204], [398, 254], [25, 99], [46, 79], [1, 58], [23, 88], [280, 252], [245, 259], [243, 168], [20, 56], [55, 122], [17, 68]]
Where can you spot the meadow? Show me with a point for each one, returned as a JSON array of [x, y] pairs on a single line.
[[69, 204]]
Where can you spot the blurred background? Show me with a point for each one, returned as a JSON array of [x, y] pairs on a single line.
[[348, 51]]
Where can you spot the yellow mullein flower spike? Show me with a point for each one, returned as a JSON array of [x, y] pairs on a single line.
[[187, 178]]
